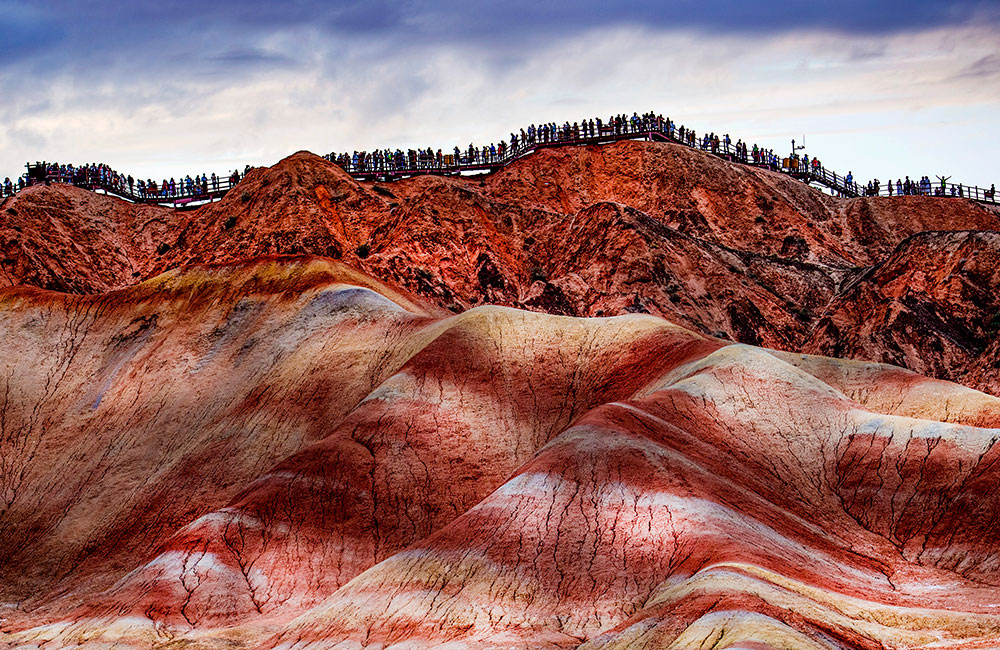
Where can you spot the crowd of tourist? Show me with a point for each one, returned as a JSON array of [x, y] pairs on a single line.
[[527, 139], [594, 130], [102, 176], [906, 187], [387, 161], [11, 187], [923, 187]]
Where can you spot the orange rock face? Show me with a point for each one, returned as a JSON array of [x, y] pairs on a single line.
[[724, 249], [64, 238], [258, 448]]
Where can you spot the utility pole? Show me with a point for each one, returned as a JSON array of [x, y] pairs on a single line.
[[793, 159], [799, 148]]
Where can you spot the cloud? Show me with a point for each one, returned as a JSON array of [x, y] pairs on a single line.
[[102, 30], [26, 30], [232, 40], [984, 68], [173, 87], [251, 57]]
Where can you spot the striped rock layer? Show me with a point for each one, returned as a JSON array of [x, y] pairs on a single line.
[[286, 453]]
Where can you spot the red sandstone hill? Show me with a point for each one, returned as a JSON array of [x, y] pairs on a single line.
[[600, 230], [290, 419], [67, 239], [289, 453]]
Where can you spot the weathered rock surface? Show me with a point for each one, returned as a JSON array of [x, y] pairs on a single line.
[[288, 453], [932, 305], [631, 227], [63, 238]]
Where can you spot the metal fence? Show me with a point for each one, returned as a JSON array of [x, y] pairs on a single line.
[[179, 194], [389, 166]]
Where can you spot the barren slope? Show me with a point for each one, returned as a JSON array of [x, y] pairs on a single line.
[[64, 238], [288, 453], [630, 227]]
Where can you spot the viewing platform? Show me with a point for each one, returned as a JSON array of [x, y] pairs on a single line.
[[386, 166]]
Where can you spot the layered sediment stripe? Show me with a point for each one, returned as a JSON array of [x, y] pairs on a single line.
[[358, 474], [818, 615], [370, 486], [637, 498]]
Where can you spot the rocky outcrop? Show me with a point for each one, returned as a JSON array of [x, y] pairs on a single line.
[[632, 227], [63, 238], [931, 305]]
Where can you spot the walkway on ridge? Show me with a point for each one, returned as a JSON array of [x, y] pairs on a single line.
[[416, 163]]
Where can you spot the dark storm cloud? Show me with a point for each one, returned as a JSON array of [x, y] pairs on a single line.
[[87, 35], [25, 30], [525, 17]]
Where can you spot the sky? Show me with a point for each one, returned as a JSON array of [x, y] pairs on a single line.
[[882, 89]]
